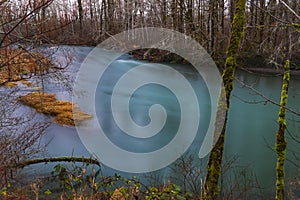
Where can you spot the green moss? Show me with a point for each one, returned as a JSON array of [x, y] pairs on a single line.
[[296, 27], [237, 28], [211, 188], [280, 136]]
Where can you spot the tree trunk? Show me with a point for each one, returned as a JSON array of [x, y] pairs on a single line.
[[181, 16], [80, 13], [91, 10], [211, 188], [174, 12], [59, 159], [222, 25], [190, 18], [231, 9], [212, 25], [261, 21], [110, 16], [280, 136], [103, 16], [164, 13]]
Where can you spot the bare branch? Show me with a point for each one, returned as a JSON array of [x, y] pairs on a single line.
[[288, 7], [265, 97], [59, 159]]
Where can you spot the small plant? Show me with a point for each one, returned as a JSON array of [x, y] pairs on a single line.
[[3, 191], [171, 191], [74, 182]]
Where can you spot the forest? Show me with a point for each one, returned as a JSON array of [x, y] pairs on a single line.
[[270, 26], [254, 45]]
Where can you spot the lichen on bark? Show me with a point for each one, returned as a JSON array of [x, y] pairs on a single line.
[[280, 136]]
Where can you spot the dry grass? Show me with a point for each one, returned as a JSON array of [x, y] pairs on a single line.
[[11, 84], [25, 82], [48, 104], [15, 83]]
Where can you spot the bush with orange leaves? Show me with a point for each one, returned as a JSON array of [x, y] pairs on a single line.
[[17, 64]]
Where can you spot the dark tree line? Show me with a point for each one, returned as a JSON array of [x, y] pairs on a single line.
[[268, 27]]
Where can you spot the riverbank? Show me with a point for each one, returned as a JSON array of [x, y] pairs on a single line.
[[270, 71], [256, 64]]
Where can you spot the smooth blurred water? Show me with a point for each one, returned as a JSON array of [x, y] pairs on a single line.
[[251, 129]]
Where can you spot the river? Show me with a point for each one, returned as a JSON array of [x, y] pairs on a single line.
[[251, 129]]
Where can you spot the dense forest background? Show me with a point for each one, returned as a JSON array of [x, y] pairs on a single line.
[[262, 34], [270, 31]]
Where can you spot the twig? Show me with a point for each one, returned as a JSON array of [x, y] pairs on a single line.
[[265, 97], [288, 7]]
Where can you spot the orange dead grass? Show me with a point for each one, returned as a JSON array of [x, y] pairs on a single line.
[[11, 84], [25, 82], [48, 104], [15, 83]]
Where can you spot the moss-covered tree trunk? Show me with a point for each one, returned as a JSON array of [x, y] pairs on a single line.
[[280, 136], [211, 188], [59, 159]]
